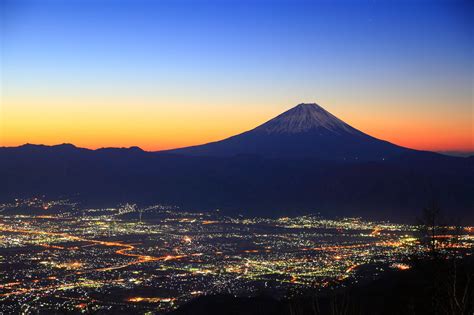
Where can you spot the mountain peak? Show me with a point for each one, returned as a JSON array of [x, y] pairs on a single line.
[[306, 130], [308, 105], [306, 117]]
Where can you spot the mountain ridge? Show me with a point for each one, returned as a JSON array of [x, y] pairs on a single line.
[[394, 189]]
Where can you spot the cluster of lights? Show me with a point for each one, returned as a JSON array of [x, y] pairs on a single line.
[[72, 257]]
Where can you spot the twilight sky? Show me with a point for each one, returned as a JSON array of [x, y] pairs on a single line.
[[164, 74]]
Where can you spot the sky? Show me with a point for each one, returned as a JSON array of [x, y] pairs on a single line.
[[166, 74]]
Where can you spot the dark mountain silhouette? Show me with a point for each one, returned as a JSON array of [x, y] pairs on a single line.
[[248, 183], [306, 130]]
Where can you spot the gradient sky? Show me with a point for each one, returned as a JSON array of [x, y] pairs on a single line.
[[164, 74]]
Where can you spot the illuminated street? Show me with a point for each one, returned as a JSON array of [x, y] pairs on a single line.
[[57, 255]]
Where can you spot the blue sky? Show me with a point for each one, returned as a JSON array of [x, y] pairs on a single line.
[[359, 59]]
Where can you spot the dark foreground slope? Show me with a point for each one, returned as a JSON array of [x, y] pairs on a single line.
[[431, 288], [395, 188]]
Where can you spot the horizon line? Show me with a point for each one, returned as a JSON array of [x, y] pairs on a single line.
[[454, 153]]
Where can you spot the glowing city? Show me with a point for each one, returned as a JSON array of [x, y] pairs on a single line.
[[57, 255]]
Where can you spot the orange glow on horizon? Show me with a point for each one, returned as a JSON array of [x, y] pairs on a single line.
[[421, 138], [166, 127]]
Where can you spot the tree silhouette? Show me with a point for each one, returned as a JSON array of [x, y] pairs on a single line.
[[431, 228]]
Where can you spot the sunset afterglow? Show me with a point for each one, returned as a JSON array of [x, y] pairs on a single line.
[[161, 75]]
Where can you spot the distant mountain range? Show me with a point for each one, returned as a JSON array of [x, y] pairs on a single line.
[[303, 161]]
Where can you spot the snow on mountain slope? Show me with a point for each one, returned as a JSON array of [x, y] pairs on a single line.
[[305, 117]]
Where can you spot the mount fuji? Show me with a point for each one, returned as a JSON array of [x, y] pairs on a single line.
[[306, 130]]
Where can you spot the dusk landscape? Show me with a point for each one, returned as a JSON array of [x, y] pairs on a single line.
[[236, 157]]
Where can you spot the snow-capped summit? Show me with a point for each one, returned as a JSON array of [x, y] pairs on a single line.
[[305, 117], [306, 130]]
